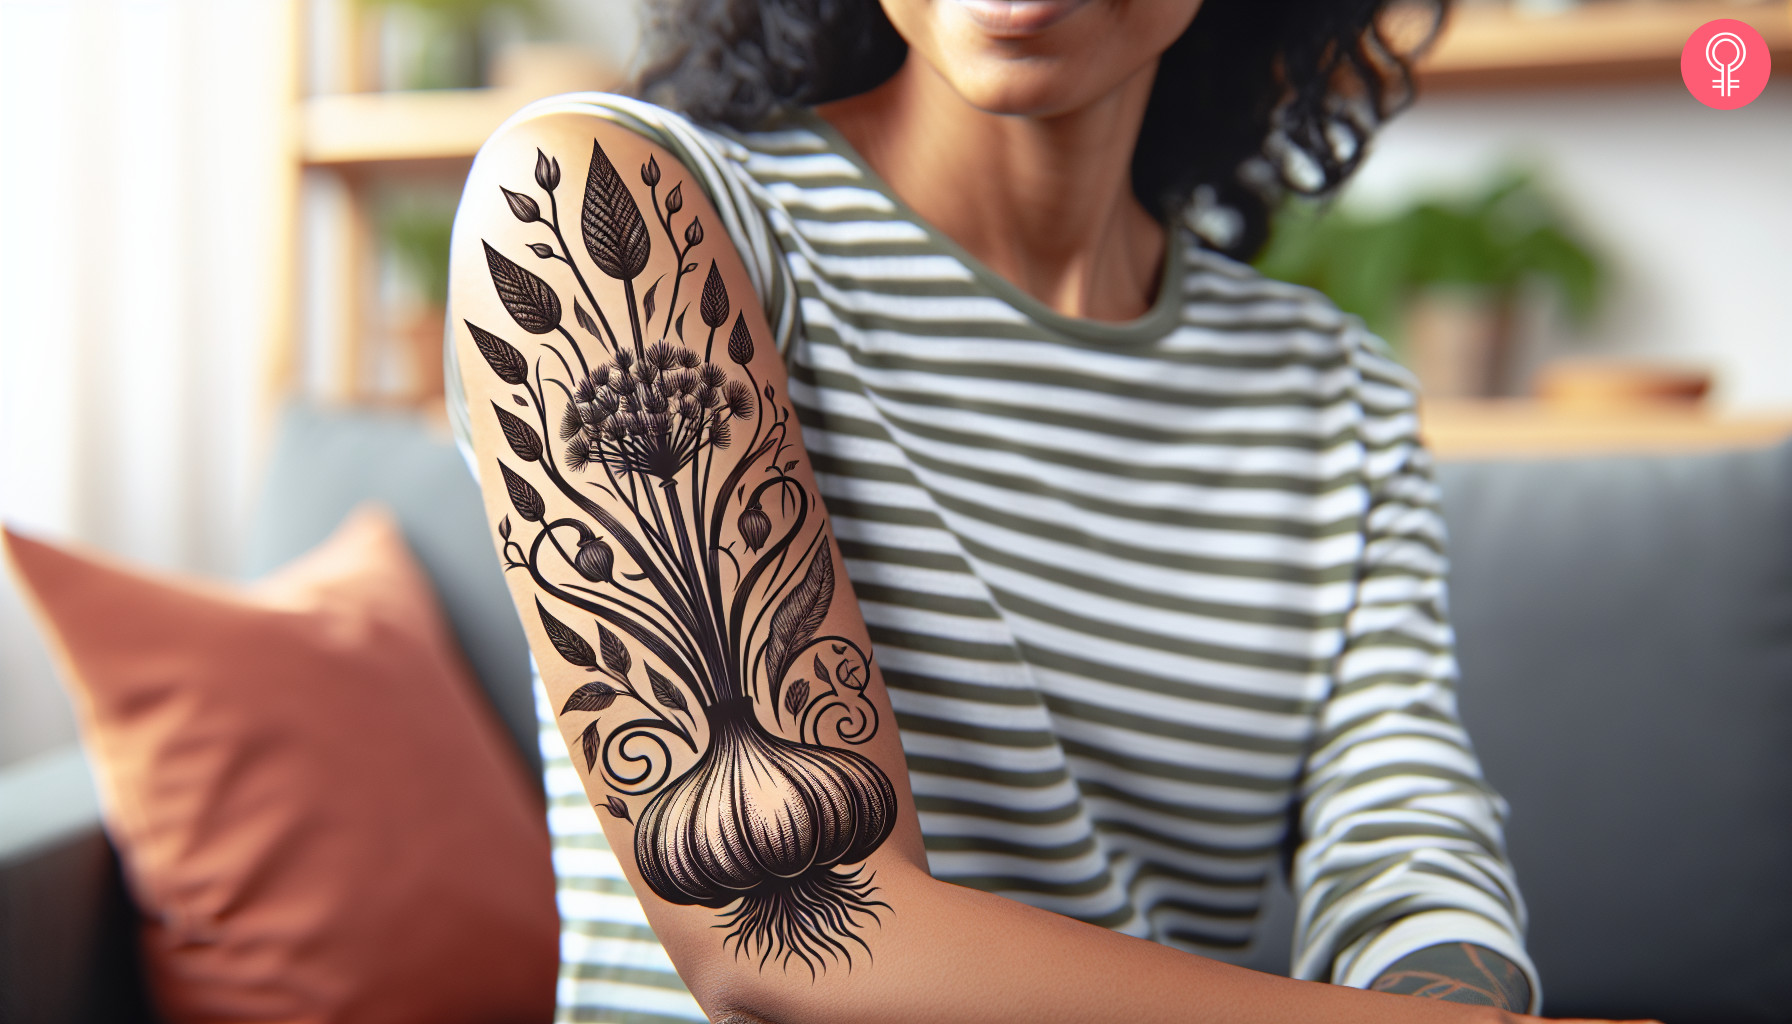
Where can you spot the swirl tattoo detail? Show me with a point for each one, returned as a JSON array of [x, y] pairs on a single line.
[[682, 558]]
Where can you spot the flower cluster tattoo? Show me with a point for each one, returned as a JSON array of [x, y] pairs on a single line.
[[650, 521]]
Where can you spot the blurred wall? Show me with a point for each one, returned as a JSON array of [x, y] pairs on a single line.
[[143, 220], [1692, 206]]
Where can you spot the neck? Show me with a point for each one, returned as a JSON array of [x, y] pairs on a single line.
[[1046, 202]]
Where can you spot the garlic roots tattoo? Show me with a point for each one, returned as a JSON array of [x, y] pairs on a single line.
[[768, 821]]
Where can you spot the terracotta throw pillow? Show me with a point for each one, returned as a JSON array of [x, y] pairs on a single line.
[[319, 819]]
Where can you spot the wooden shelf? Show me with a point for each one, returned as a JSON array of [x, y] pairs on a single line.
[[1484, 46], [389, 127], [1599, 41], [1501, 428]]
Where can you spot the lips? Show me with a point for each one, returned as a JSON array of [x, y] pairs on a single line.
[[1014, 19]]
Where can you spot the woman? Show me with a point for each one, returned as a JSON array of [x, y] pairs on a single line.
[[1146, 544]]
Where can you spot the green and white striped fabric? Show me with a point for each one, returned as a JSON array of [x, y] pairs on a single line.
[[1154, 601]]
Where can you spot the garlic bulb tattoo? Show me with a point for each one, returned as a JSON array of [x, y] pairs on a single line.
[[669, 455]]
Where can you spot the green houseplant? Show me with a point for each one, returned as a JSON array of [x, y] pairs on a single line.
[[452, 39], [1475, 252]]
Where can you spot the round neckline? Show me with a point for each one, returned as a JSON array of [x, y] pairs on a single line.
[[1154, 323]]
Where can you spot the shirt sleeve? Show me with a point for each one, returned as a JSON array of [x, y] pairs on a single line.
[[717, 162], [1401, 841]]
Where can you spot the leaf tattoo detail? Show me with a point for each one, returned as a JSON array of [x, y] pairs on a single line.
[[647, 303], [713, 307], [588, 740], [617, 808], [615, 234], [585, 320], [797, 697], [821, 671], [524, 441], [740, 341], [799, 615], [547, 172], [571, 645], [616, 657], [591, 697], [665, 692], [523, 496], [526, 209], [501, 355], [532, 304]]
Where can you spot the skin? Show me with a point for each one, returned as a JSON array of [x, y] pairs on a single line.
[[1041, 124]]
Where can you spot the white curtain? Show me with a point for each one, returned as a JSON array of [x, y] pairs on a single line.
[[145, 204]]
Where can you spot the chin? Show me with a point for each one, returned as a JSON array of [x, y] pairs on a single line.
[[1038, 57]]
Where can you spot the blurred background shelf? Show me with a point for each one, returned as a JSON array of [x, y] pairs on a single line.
[[1492, 46], [1521, 427], [388, 127]]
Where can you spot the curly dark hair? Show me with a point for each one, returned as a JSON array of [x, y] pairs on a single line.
[[1257, 99]]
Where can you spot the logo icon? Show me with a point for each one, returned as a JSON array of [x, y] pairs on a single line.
[[1725, 64]]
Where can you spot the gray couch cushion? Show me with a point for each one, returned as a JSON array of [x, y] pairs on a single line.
[[325, 462], [1625, 631]]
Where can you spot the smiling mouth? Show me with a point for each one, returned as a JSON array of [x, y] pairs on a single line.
[[1014, 19]]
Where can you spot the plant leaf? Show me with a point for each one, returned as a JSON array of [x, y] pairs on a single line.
[[501, 355], [518, 399], [547, 173], [616, 656], [617, 808], [799, 615], [797, 696], [821, 671], [524, 441], [679, 327], [585, 320], [523, 495], [647, 303], [571, 645], [588, 740], [591, 697], [532, 304], [615, 235], [740, 341], [542, 249], [665, 692], [504, 527], [526, 209], [713, 307]]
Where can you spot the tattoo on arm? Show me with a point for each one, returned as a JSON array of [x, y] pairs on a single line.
[[1458, 972], [725, 738]]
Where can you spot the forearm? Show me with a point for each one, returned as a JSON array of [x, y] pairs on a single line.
[[968, 957], [1458, 972]]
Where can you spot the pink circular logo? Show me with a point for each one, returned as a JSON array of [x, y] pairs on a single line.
[[1725, 64]]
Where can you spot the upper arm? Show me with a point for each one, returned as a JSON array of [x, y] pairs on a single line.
[[665, 544]]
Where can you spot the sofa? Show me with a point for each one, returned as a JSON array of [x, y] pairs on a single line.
[[1625, 632]]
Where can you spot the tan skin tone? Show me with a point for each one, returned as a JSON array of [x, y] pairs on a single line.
[[1050, 210]]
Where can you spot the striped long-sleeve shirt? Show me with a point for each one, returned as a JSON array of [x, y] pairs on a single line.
[[1154, 601]]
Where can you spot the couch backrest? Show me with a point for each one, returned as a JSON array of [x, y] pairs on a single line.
[[325, 462], [1625, 632]]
